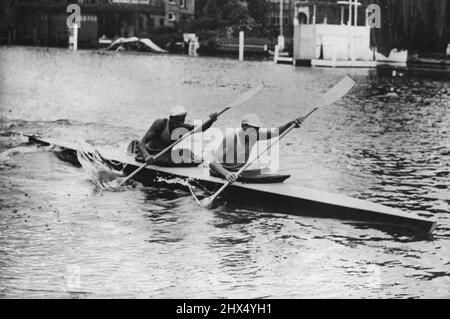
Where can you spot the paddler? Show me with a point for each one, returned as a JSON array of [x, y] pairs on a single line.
[[159, 137], [234, 151]]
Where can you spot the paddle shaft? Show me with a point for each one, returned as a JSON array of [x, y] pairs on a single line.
[[243, 98]]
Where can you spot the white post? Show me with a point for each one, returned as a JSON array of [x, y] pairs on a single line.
[[351, 4], [314, 14], [75, 37], [367, 16], [277, 52], [281, 42], [281, 17], [281, 37], [350, 13], [241, 46]]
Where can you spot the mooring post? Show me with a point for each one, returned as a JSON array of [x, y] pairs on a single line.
[[241, 46], [276, 54], [75, 37]]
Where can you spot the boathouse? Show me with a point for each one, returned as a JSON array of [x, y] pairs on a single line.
[[331, 33], [43, 22]]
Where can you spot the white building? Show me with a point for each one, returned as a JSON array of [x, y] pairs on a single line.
[[178, 10], [332, 34]]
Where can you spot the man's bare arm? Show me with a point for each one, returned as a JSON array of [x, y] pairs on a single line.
[[205, 126], [229, 176], [269, 134], [153, 131]]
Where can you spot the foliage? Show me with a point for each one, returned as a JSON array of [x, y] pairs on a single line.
[[420, 25], [234, 12], [257, 9], [227, 18], [211, 10], [8, 14], [199, 24]]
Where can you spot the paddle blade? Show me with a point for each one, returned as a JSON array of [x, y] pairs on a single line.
[[207, 202], [117, 183], [337, 92], [246, 96]]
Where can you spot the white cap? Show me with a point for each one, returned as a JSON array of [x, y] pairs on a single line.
[[252, 120], [178, 110]]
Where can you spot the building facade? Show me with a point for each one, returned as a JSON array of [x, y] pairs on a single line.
[[178, 10], [273, 13], [326, 12], [331, 33], [128, 18], [43, 22]]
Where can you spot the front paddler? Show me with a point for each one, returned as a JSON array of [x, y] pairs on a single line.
[[234, 151], [159, 137]]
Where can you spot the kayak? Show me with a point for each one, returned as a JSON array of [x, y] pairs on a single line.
[[276, 196], [256, 177]]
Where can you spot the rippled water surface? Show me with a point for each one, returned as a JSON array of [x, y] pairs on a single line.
[[390, 147]]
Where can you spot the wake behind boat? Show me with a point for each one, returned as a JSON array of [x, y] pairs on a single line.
[[280, 197]]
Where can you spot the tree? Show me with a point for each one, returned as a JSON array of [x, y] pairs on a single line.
[[417, 25], [8, 17], [211, 10], [199, 8], [9, 13], [233, 11], [257, 9]]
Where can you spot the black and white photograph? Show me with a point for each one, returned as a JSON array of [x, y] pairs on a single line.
[[251, 150]]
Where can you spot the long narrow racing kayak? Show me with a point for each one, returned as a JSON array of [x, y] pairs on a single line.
[[280, 197]]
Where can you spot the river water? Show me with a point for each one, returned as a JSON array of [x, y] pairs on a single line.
[[62, 237]]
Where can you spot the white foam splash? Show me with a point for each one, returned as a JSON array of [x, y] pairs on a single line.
[[6, 155], [180, 181], [92, 162]]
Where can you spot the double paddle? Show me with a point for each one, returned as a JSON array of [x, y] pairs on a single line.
[[239, 101], [332, 96]]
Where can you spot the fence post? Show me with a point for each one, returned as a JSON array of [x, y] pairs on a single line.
[[241, 46], [75, 37]]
